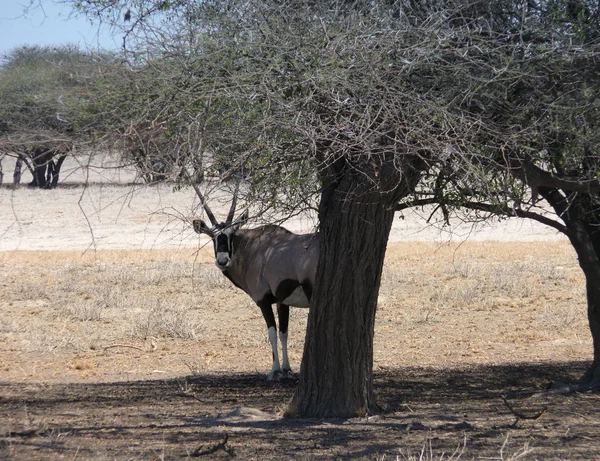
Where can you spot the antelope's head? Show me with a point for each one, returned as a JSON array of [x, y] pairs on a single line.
[[221, 233], [222, 236]]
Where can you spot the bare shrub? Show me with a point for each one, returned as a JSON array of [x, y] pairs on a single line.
[[33, 289], [395, 276], [559, 317], [464, 294], [152, 274], [166, 320], [429, 453], [83, 310], [550, 270], [511, 279], [46, 341], [109, 297], [208, 276], [121, 274], [97, 300], [465, 270], [161, 271]]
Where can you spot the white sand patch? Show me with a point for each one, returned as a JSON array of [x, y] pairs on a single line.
[[113, 212]]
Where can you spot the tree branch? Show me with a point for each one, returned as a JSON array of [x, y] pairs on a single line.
[[536, 177], [502, 210]]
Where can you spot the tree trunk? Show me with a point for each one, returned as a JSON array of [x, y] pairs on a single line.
[[40, 161], [591, 378], [578, 214], [587, 254], [55, 171], [356, 213], [17, 172]]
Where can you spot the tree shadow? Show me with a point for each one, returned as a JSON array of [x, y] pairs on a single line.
[[194, 411]]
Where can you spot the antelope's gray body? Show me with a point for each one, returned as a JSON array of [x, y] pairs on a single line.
[[272, 265]]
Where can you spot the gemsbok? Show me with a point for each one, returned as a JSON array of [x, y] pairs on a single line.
[[271, 264]]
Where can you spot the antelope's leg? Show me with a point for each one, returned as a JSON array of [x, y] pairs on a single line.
[[267, 312], [283, 312]]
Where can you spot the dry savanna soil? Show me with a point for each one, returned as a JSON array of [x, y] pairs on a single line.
[[152, 354]]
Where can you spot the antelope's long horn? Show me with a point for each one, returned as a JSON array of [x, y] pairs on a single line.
[[233, 204], [209, 213]]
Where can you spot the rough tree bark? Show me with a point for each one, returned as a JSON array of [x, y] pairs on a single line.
[[17, 172], [54, 171], [578, 215], [45, 170], [40, 159], [588, 252], [356, 213]]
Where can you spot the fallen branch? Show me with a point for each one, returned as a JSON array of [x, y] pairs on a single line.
[[123, 345], [519, 415], [221, 445]]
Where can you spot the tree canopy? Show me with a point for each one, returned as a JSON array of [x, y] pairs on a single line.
[[45, 97], [45, 89]]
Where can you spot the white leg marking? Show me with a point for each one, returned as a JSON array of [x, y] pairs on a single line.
[[275, 371], [283, 337]]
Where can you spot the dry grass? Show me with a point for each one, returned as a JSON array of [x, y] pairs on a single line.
[[165, 320], [109, 340], [470, 303]]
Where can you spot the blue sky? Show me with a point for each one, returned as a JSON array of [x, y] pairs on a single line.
[[48, 25]]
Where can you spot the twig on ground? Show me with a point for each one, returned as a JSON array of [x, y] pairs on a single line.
[[519, 415], [221, 445], [123, 345]]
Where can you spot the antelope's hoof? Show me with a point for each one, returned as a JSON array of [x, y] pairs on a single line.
[[287, 373], [275, 375]]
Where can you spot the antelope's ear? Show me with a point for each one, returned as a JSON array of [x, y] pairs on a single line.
[[201, 228]]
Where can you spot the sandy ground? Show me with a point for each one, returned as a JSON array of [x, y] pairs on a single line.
[[115, 212]]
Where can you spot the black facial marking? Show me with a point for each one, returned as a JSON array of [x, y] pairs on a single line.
[[221, 243]]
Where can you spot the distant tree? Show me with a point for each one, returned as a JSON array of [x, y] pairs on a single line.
[[44, 93]]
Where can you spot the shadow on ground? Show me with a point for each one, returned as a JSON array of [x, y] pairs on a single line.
[[217, 416]]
